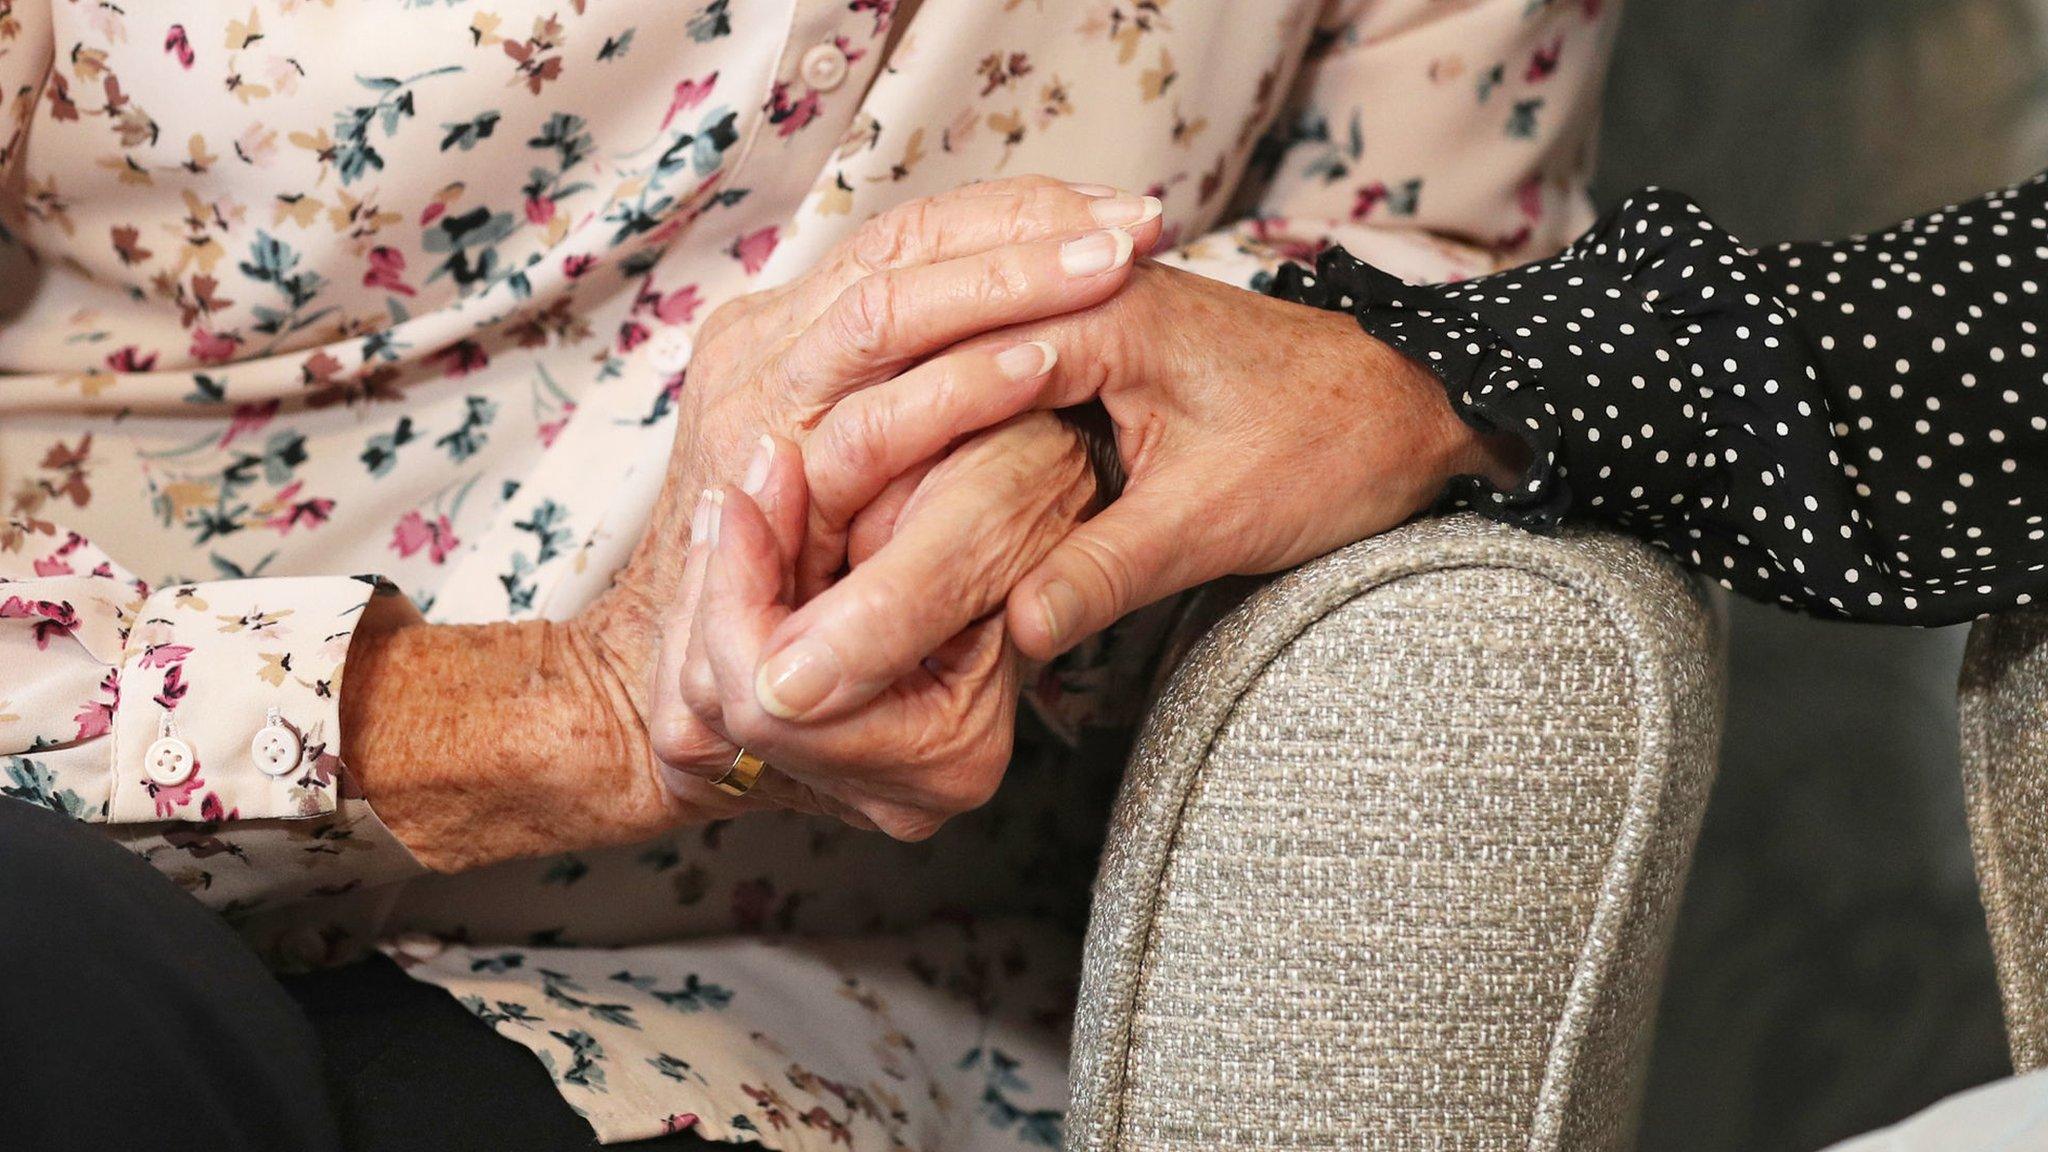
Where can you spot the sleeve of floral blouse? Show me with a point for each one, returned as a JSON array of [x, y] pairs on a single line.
[[26, 49], [1439, 141], [1855, 428], [197, 721]]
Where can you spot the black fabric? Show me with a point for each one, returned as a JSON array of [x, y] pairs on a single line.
[[411, 1070], [131, 1016], [1854, 428]]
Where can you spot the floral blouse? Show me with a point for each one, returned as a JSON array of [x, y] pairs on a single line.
[[314, 309]]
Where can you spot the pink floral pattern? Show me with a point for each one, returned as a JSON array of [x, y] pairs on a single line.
[[299, 289]]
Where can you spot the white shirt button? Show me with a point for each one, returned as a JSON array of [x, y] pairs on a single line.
[[824, 67], [418, 946], [275, 750], [168, 762], [671, 350]]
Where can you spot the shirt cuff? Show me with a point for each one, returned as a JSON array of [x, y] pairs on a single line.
[[1485, 381], [228, 699], [1517, 353]]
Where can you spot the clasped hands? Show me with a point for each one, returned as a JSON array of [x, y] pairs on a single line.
[[873, 517]]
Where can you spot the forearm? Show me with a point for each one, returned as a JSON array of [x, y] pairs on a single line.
[[1850, 428], [477, 743]]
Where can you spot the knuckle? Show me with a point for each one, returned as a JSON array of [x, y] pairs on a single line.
[[890, 239], [1109, 567], [700, 693], [876, 244], [1031, 182], [747, 725], [964, 773], [1019, 216], [853, 442], [727, 315], [677, 737], [975, 781], [909, 825], [1004, 278], [793, 379], [887, 595], [865, 314]]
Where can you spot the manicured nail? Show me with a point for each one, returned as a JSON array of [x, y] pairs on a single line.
[[1095, 190], [1125, 211], [1026, 361], [795, 679], [757, 471], [716, 516], [1061, 606], [700, 520], [1096, 253]]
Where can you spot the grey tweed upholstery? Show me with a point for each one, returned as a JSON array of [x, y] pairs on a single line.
[[1396, 859], [2003, 702]]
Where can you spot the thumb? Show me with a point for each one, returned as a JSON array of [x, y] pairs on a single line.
[[1141, 548], [743, 598], [775, 481], [746, 575], [743, 590]]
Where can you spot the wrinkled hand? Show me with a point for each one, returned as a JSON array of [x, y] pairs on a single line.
[[935, 740], [871, 316], [1255, 434], [478, 744]]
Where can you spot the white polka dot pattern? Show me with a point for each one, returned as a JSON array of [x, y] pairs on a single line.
[[1856, 428]]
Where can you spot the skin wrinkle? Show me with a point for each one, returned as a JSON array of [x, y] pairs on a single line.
[[1186, 368], [477, 744], [942, 751]]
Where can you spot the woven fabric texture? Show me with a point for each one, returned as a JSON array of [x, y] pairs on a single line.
[[2003, 707], [1398, 853]]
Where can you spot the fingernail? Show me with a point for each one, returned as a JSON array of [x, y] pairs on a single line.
[[700, 520], [1028, 360], [1095, 190], [1125, 211], [757, 471], [1061, 606], [1095, 253], [716, 516], [794, 680]]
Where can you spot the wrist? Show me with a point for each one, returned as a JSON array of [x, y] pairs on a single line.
[[1499, 458], [1454, 446], [482, 743]]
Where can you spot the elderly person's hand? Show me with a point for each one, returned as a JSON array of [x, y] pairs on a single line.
[[1255, 433], [936, 740], [575, 768]]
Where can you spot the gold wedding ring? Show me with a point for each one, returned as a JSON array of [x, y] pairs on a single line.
[[740, 778]]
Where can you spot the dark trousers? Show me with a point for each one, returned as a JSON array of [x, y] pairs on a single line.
[[131, 1017]]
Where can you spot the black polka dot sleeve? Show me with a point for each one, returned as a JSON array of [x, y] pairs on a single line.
[[1856, 428]]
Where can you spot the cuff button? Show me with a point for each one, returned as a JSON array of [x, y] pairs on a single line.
[[168, 762], [275, 750]]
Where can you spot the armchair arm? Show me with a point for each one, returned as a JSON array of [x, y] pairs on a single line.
[[2003, 708], [1396, 858]]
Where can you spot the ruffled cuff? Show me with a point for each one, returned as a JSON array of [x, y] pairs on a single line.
[[1483, 378], [1586, 359]]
